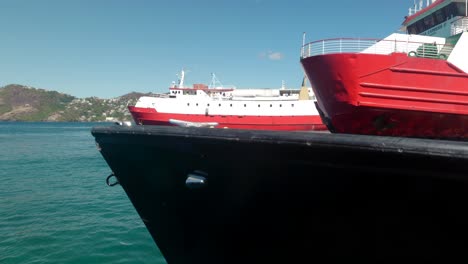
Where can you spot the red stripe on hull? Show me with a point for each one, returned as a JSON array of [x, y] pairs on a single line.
[[390, 94], [149, 116]]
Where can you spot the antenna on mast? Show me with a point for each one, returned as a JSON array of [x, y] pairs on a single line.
[[214, 81]]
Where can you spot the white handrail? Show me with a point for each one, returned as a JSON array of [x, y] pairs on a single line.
[[375, 46], [459, 26]]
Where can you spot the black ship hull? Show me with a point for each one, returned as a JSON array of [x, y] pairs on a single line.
[[234, 196]]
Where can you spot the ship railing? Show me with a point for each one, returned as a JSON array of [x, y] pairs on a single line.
[[458, 26], [376, 46], [160, 95]]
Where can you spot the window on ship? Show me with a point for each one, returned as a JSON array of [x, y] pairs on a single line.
[[436, 18]]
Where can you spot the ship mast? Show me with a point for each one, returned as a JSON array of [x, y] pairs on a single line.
[[214, 82], [181, 79], [303, 44]]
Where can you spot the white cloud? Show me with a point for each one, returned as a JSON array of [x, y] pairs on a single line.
[[272, 55], [275, 56]]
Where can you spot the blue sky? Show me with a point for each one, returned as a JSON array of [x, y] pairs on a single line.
[[107, 48]]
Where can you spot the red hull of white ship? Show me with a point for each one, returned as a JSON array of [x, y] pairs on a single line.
[[149, 116], [390, 94]]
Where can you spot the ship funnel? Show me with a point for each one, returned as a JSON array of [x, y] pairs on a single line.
[[304, 92], [303, 82]]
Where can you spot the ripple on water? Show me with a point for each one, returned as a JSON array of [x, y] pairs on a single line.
[[55, 206]]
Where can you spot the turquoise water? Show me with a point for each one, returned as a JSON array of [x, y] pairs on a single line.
[[54, 204]]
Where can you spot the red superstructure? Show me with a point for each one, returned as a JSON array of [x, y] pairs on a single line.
[[413, 85]]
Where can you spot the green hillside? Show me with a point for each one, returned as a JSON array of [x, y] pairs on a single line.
[[23, 103]]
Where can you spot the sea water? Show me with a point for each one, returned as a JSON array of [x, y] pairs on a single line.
[[55, 206]]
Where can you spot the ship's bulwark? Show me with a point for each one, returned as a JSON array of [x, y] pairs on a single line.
[[390, 95], [292, 197]]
